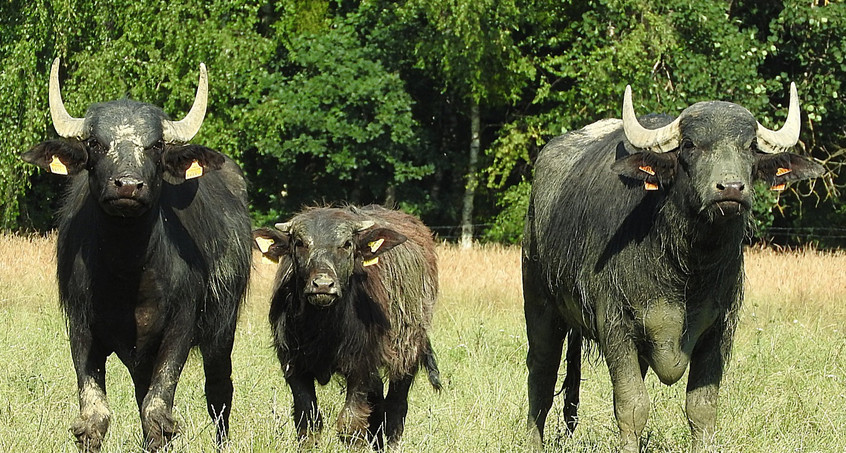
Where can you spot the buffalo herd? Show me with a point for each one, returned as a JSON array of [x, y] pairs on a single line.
[[633, 241]]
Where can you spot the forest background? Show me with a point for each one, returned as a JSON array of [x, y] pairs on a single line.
[[438, 107]]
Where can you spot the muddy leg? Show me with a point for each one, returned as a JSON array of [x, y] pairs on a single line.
[[703, 388], [90, 363], [631, 403], [157, 420]]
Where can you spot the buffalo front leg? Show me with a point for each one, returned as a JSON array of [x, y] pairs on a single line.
[[545, 331], [703, 388], [307, 418], [631, 403], [362, 418], [90, 364], [217, 365], [157, 420]]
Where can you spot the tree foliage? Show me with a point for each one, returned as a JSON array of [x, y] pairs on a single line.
[[370, 101]]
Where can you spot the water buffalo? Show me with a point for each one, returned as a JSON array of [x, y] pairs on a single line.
[[633, 240], [153, 254], [353, 295]]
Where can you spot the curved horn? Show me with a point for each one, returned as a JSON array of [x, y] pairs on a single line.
[[779, 141], [185, 129], [664, 139], [364, 224], [66, 125]]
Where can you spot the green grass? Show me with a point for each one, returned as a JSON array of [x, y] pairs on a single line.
[[785, 390]]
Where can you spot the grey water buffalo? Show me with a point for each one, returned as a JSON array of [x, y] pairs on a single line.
[[353, 295], [633, 240], [153, 254]]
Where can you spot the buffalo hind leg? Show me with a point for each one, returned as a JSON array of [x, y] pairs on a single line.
[[572, 380], [91, 425], [396, 408], [545, 331], [217, 366], [307, 417]]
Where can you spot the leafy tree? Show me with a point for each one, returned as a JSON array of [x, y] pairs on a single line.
[[332, 121]]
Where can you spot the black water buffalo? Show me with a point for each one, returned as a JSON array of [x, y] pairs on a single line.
[[633, 240], [353, 294], [153, 256]]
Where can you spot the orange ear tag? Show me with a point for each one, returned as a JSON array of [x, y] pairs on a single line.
[[194, 171], [370, 262], [649, 186], [777, 187], [647, 169], [782, 171], [57, 167], [375, 245]]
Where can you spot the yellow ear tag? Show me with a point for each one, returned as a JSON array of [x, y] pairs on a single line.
[[370, 262], [782, 171], [264, 244], [647, 169], [375, 245], [650, 186], [194, 171], [777, 187], [57, 167]]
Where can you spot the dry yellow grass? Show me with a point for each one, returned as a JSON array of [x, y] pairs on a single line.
[[27, 270], [783, 391]]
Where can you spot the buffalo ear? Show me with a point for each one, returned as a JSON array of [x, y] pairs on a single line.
[[272, 243], [63, 157], [778, 169], [183, 162], [654, 169], [373, 242]]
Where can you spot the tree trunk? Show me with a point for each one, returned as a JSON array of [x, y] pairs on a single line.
[[472, 179]]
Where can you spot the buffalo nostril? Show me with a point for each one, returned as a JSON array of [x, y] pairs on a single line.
[[323, 281], [733, 186], [118, 183]]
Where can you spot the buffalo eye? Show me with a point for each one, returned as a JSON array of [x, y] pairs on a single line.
[[687, 144], [299, 244], [158, 146], [93, 145], [347, 245]]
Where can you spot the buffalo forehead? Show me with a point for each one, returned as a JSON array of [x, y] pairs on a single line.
[[125, 121], [324, 225], [710, 122]]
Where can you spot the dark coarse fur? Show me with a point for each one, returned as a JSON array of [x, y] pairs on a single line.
[[654, 277], [149, 265], [381, 321], [191, 253]]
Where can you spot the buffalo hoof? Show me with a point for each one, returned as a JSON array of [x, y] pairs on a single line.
[[89, 432], [159, 428]]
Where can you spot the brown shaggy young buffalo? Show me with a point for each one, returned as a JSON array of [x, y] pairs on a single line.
[[353, 295]]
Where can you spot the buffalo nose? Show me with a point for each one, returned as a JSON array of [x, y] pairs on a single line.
[[128, 186], [731, 186], [323, 283]]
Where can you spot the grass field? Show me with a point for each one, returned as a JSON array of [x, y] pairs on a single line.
[[785, 390]]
